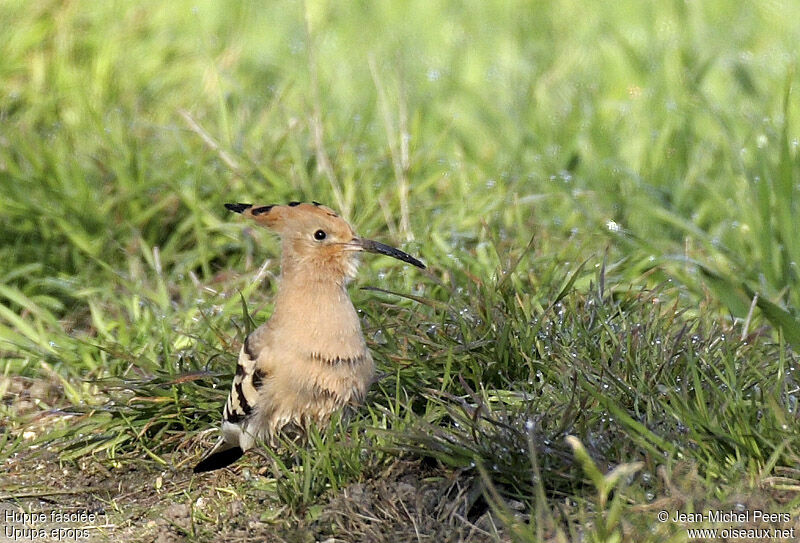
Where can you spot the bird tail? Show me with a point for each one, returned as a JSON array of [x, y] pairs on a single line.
[[223, 454]]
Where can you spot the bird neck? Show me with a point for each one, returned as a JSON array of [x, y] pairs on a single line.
[[318, 310], [324, 269], [311, 290]]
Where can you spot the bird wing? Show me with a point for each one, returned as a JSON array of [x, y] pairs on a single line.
[[245, 386], [241, 401]]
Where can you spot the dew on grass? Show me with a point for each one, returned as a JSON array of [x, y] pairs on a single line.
[[467, 314], [530, 425], [379, 337]]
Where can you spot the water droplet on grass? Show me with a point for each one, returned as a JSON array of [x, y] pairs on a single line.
[[530, 425]]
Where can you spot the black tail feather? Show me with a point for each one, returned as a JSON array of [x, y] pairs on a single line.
[[219, 460]]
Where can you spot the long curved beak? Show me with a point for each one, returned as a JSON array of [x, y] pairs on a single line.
[[381, 249]]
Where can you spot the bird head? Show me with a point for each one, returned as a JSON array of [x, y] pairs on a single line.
[[315, 238]]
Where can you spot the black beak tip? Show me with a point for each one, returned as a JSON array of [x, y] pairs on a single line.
[[381, 249], [238, 208]]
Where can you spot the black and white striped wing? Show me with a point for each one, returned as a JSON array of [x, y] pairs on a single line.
[[239, 407]]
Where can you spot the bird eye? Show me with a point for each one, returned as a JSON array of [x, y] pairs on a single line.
[[319, 235]]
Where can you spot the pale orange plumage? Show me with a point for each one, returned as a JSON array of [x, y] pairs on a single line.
[[309, 359]]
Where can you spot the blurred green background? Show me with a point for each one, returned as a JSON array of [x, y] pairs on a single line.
[[125, 122], [504, 143]]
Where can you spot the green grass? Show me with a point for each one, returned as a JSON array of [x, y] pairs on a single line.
[[605, 196]]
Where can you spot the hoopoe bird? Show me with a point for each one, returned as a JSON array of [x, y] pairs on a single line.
[[309, 359]]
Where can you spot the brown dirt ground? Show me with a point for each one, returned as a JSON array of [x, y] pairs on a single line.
[[134, 502], [137, 499]]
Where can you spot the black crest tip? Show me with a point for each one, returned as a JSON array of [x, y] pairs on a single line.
[[261, 210], [238, 208]]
